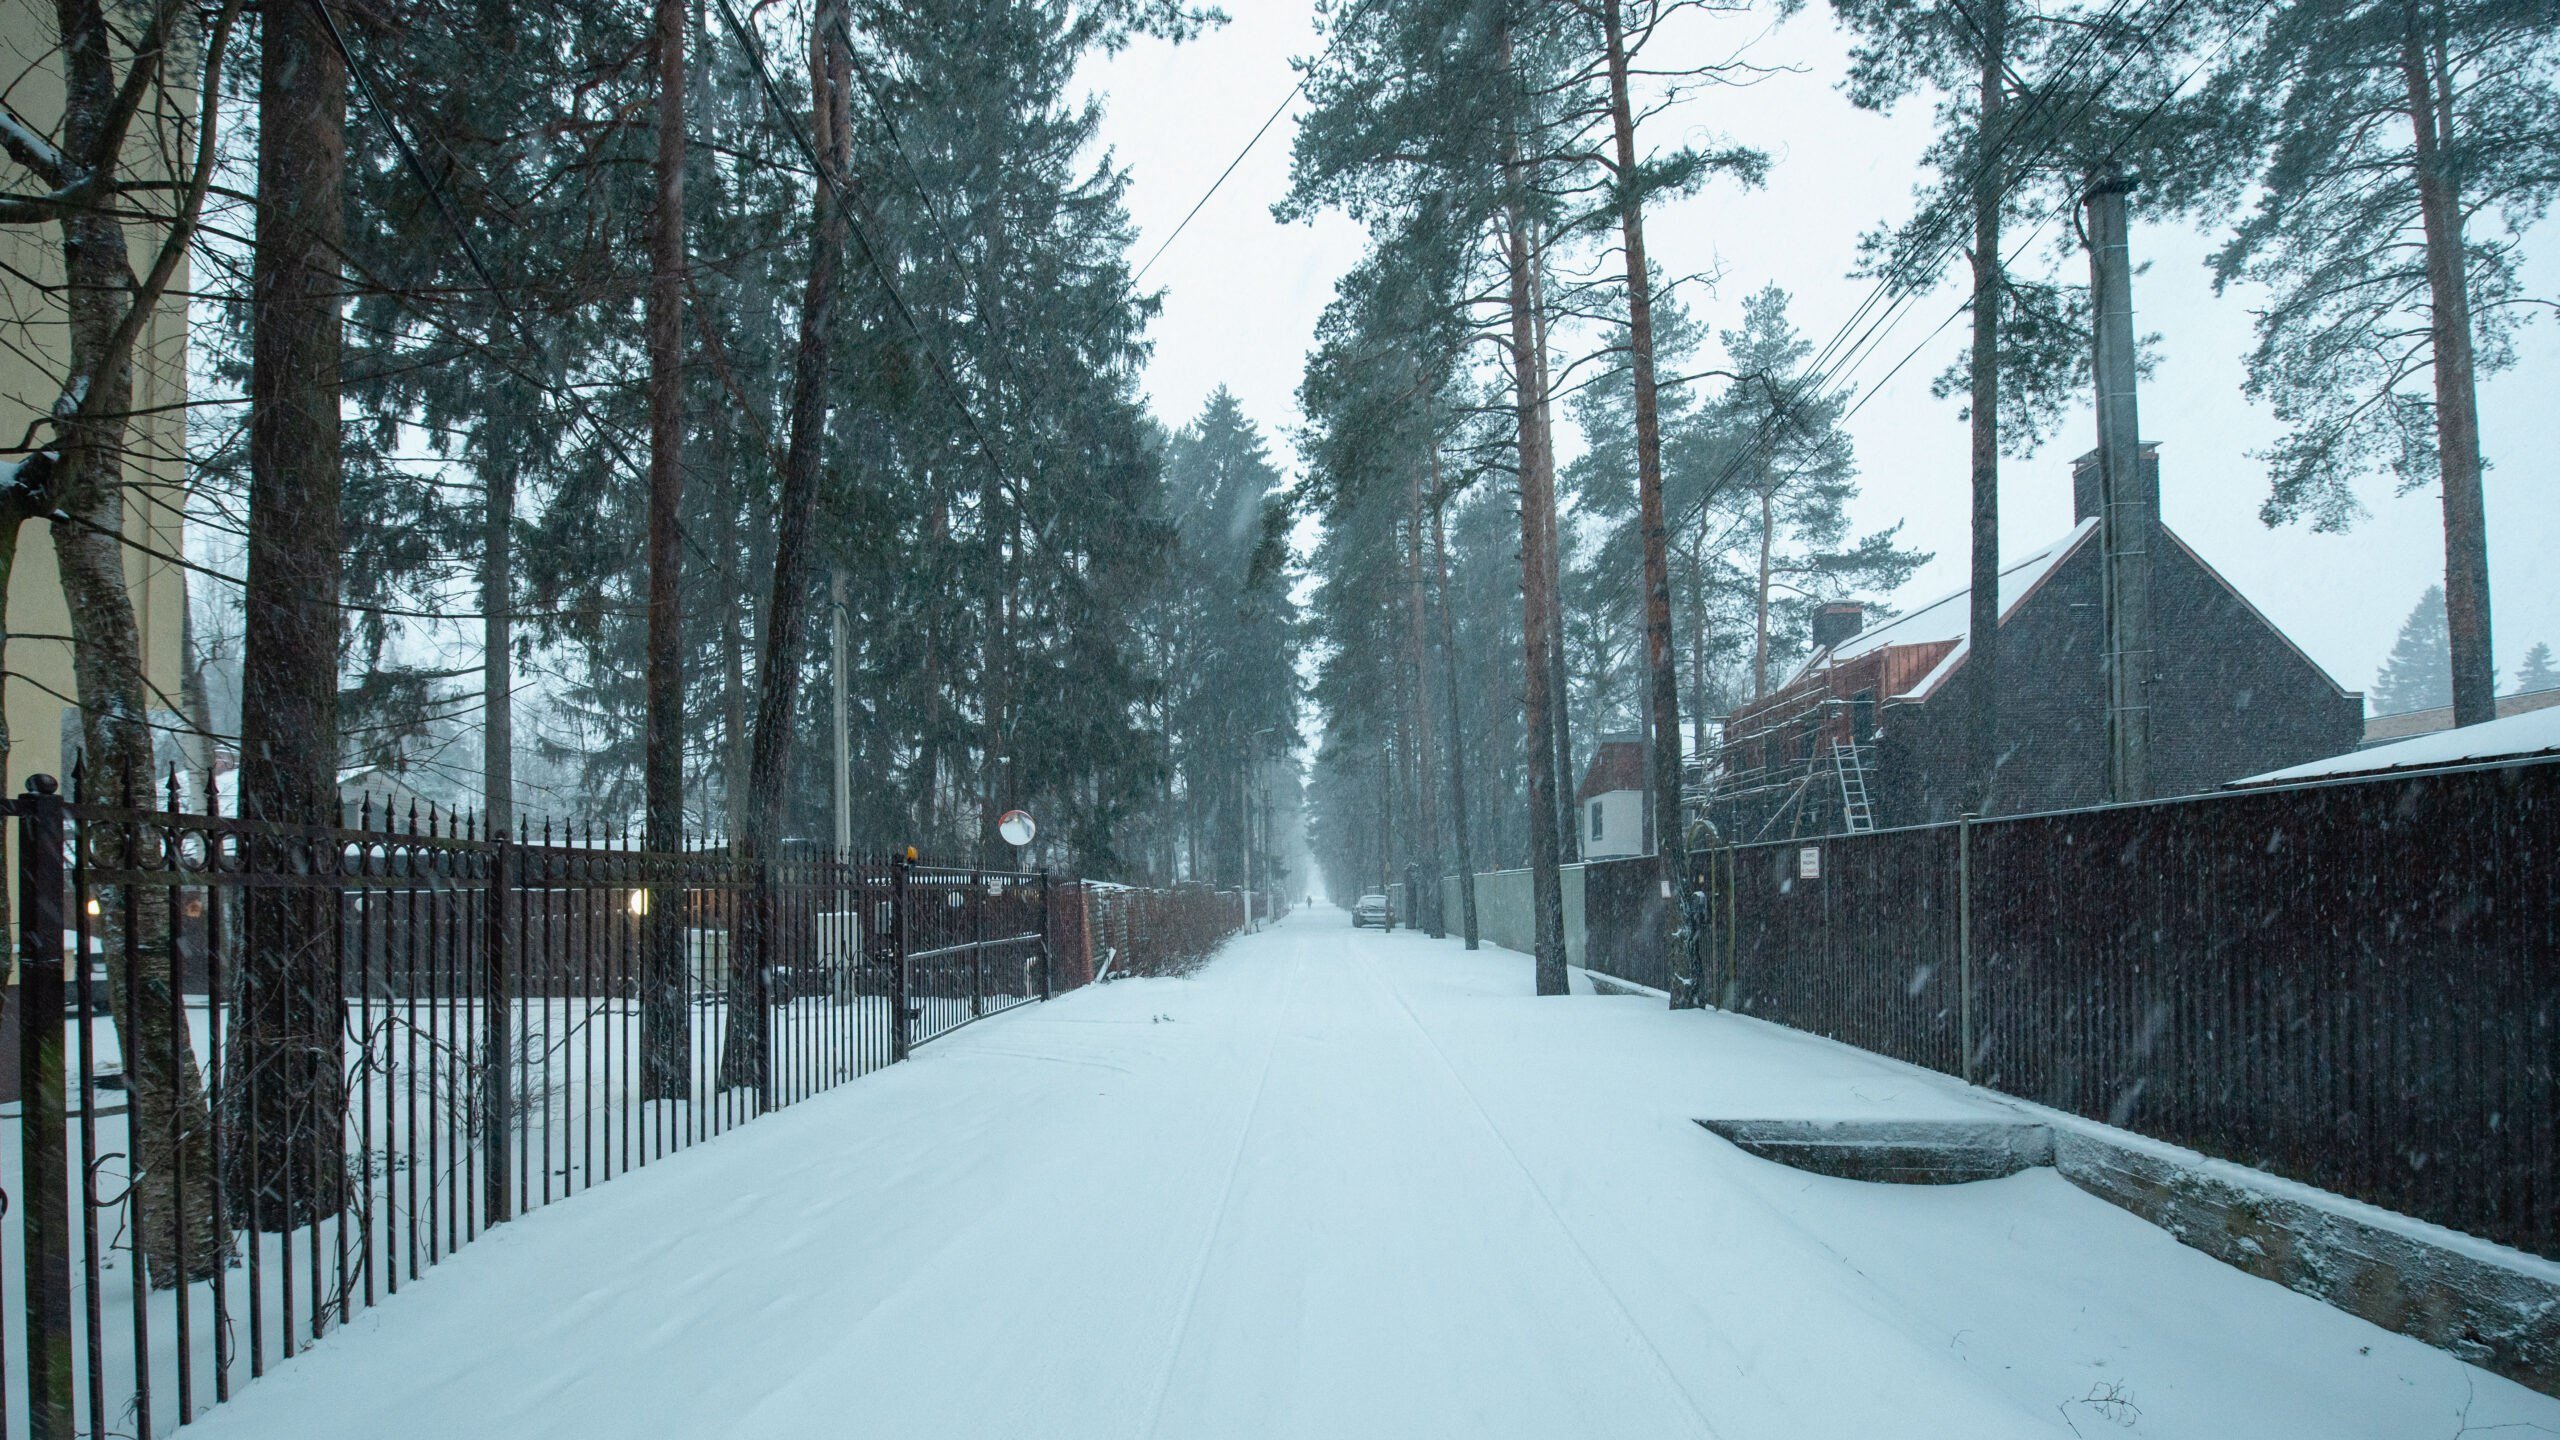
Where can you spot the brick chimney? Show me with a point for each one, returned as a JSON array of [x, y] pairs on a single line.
[[2084, 479], [1837, 620]]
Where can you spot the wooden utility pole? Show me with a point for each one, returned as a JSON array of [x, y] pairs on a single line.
[[666, 1039], [839, 664], [289, 1044], [497, 643], [2128, 498], [1982, 649]]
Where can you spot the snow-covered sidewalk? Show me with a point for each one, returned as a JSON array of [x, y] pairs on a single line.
[[1344, 1184]]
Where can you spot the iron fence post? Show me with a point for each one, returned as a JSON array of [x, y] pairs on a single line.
[[45, 1205], [1045, 984], [977, 943], [767, 929], [497, 1012], [899, 1038], [1964, 942]]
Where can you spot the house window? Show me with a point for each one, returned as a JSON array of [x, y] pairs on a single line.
[[1595, 819]]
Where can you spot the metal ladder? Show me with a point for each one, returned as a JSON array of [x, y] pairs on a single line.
[[1850, 760]]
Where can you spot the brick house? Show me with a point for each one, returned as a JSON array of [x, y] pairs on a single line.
[[1870, 731]]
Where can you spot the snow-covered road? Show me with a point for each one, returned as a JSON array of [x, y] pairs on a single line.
[[1345, 1185]]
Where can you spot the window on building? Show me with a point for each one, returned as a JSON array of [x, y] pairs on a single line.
[[1595, 819]]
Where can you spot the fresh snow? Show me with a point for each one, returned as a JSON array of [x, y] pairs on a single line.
[[2515, 737], [1338, 1184]]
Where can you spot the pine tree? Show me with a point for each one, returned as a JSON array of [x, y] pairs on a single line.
[[1800, 475], [2398, 151], [2537, 672], [2418, 674]]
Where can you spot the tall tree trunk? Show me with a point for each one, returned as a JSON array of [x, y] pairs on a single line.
[[1760, 596], [2466, 533], [1537, 579], [1426, 831], [1662, 676], [1990, 187], [666, 1022], [108, 312], [290, 1065], [1457, 732], [1559, 681], [745, 1058]]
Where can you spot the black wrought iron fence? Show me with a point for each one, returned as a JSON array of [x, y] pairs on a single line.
[[286, 1070], [2353, 984]]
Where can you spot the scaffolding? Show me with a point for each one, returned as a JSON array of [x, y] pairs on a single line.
[[1799, 764]]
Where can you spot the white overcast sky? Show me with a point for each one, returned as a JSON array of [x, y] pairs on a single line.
[[1242, 294]]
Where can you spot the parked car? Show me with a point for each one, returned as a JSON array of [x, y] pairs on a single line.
[[1371, 910]]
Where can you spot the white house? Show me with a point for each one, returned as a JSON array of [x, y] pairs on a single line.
[[1610, 804]]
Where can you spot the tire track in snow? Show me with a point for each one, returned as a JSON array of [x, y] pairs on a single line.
[[1590, 1267], [1226, 1195]]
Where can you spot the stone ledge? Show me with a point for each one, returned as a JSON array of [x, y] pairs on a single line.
[[2494, 1307]]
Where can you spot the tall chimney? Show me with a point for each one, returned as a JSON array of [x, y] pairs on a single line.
[[2128, 497], [1837, 620]]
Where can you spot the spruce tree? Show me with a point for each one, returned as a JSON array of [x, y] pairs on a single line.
[[2418, 674], [2537, 672]]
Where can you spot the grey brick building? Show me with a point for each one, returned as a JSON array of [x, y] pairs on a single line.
[[1870, 732]]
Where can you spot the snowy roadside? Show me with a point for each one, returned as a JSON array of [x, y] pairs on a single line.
[[1342, 1183]]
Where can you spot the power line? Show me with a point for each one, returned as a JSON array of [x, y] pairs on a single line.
[[1205, 196], [1270, 120], [1896, 282]]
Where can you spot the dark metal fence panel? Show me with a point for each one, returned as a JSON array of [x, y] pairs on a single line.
[[185, 1210], [1852, 937], [2355, 985], [1628, 924]]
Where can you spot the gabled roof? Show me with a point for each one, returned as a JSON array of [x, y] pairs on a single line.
[[1948, 621], [1616, 765]]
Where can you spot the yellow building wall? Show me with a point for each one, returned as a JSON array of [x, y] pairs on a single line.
[[38, 689]]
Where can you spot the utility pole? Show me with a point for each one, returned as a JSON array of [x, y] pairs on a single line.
[[843, 725], [2128, 497], [666, 1036], [1244, 814]]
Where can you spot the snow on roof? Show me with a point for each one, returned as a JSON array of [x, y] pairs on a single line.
[[2516, 737], [1950, 619]]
